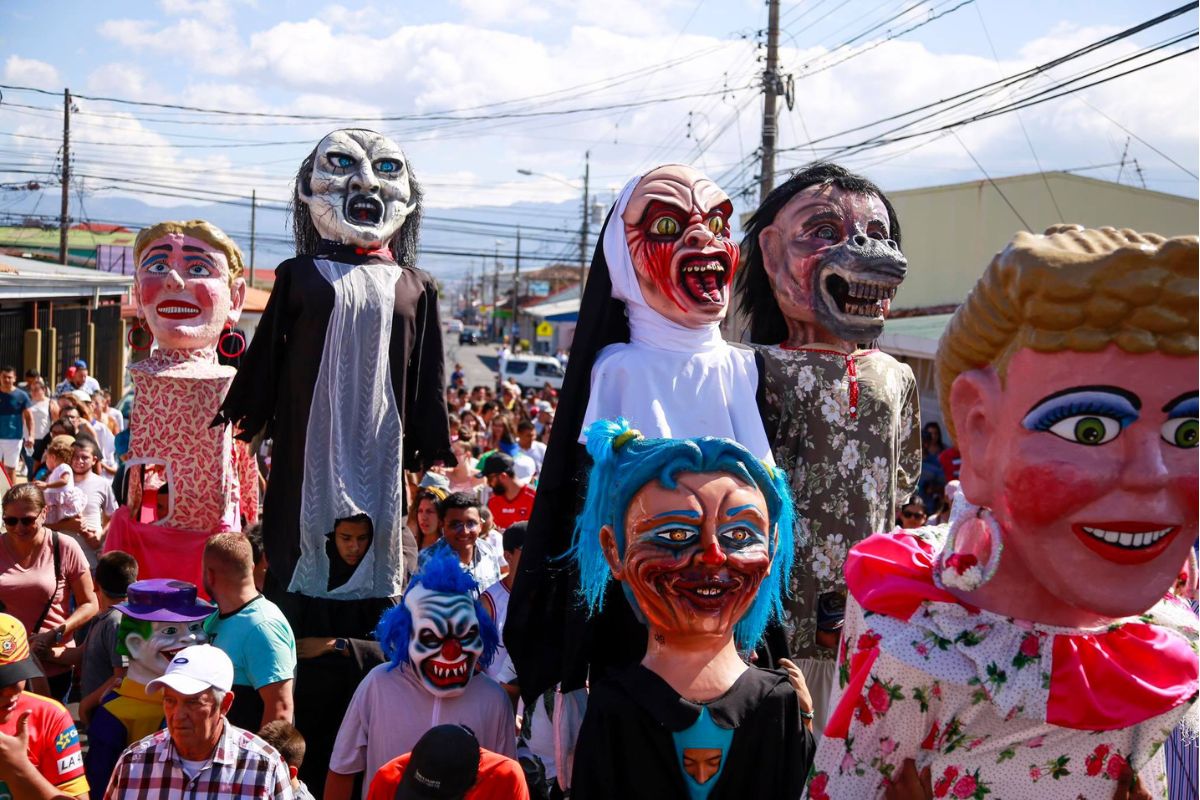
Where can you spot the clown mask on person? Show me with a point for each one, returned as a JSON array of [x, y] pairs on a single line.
[[440, 628], [188, 285], [159, 618], [359, 191], [677, 229]]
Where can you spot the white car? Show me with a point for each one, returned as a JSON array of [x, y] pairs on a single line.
[[454, 326], [533, 372]]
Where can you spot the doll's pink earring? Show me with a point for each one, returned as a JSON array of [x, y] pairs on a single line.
[[971, 554], [139, 336], [232, 343]]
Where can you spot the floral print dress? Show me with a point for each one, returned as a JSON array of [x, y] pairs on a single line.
[[846, 429], [995, 707]]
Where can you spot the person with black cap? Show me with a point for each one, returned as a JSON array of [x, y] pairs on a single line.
[[447, 763], [511, 500], [40, 757]]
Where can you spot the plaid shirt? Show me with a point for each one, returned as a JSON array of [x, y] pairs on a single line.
[[243, 767]]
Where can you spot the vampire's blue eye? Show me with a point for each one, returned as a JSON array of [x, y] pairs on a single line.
[[340, 160], [388, 166], [1089, 415]]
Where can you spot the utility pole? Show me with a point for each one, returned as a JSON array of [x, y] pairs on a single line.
[[65, 220], [253, 208], [771, 86], [496, 289], [516, 287], [583, 230]]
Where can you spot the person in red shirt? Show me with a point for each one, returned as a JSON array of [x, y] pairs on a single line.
[[511, 501], [40, 757], [447, 763]]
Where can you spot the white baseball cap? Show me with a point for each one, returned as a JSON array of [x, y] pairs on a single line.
[[195, 669]]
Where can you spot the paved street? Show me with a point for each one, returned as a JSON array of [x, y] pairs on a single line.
[[478, 360]]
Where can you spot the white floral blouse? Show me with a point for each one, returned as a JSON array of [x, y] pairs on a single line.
[[995, 707], [847, 432]]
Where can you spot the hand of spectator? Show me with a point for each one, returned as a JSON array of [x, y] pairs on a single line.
[[796, 678], [14, 750], [43, 643], [1128, 786], [313, 646], [39, 484], [909, 785], [90, 535]]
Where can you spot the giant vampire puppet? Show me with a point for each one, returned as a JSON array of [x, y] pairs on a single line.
[[821, 263], [1027, 649], [698, 535], [189, 293], [648, 348], [159, 618], [346, 368]]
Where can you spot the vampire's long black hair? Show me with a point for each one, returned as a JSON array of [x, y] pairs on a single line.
[[755, 296], [308, 240]]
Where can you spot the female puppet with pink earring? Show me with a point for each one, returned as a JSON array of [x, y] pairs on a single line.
[[189, 292], [1027, 650]]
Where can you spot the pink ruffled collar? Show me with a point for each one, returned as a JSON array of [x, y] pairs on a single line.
[[1133, 671]]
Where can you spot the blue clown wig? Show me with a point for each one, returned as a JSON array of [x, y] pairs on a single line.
[[624, 462], [442, 573]]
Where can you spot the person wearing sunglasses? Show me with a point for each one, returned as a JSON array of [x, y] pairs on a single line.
[[40, 571], [912, 513]]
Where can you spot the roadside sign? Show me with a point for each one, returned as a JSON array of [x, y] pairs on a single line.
[[545, 330]]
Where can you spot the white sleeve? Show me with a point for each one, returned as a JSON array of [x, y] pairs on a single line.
[[350, 748]]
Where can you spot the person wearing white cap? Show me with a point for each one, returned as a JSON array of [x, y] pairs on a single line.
[[200, 754]]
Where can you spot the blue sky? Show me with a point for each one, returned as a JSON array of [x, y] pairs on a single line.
[[356, 61]]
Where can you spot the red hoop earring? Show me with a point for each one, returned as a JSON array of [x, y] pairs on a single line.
[[236, 338], [144, 329]]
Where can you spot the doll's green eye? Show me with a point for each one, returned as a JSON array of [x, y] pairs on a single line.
[[1087, 429], [1182, 432]]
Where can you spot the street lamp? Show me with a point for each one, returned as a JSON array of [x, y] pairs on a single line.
[[583, 227]]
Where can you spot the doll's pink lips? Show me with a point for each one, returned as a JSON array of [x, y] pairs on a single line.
[[177, 309], [1126, 542]]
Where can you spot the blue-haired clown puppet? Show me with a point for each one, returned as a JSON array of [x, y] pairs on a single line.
[[433, 643], [699, 534]]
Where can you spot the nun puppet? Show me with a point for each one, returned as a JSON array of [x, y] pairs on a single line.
[[647, 348], [697, 533], [346, 369]]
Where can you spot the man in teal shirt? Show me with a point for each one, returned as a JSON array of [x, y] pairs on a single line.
[[252, 631]]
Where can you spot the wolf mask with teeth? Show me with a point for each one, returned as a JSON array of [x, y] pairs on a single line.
[[821, 261], [356, 188]]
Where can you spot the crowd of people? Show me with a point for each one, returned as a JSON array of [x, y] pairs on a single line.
[[240, 663], [730, 571]]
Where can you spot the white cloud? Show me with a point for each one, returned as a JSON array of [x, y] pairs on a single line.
[[123, 80], [30, 72]]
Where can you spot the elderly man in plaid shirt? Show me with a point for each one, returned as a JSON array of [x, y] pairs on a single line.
[[200, 754]]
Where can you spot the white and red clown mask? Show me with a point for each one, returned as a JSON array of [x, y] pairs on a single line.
[[359, 192], [440, 628], [188, 286]]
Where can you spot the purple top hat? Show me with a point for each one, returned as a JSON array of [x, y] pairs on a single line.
[[164, 600]]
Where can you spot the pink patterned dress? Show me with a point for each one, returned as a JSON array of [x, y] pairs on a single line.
[[995, 707]]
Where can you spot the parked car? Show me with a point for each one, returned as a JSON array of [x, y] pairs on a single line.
[[469, 336], [533, 372], [454, 326]]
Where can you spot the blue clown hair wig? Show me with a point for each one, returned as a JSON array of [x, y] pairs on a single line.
[[624, 462], [442, 573]]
